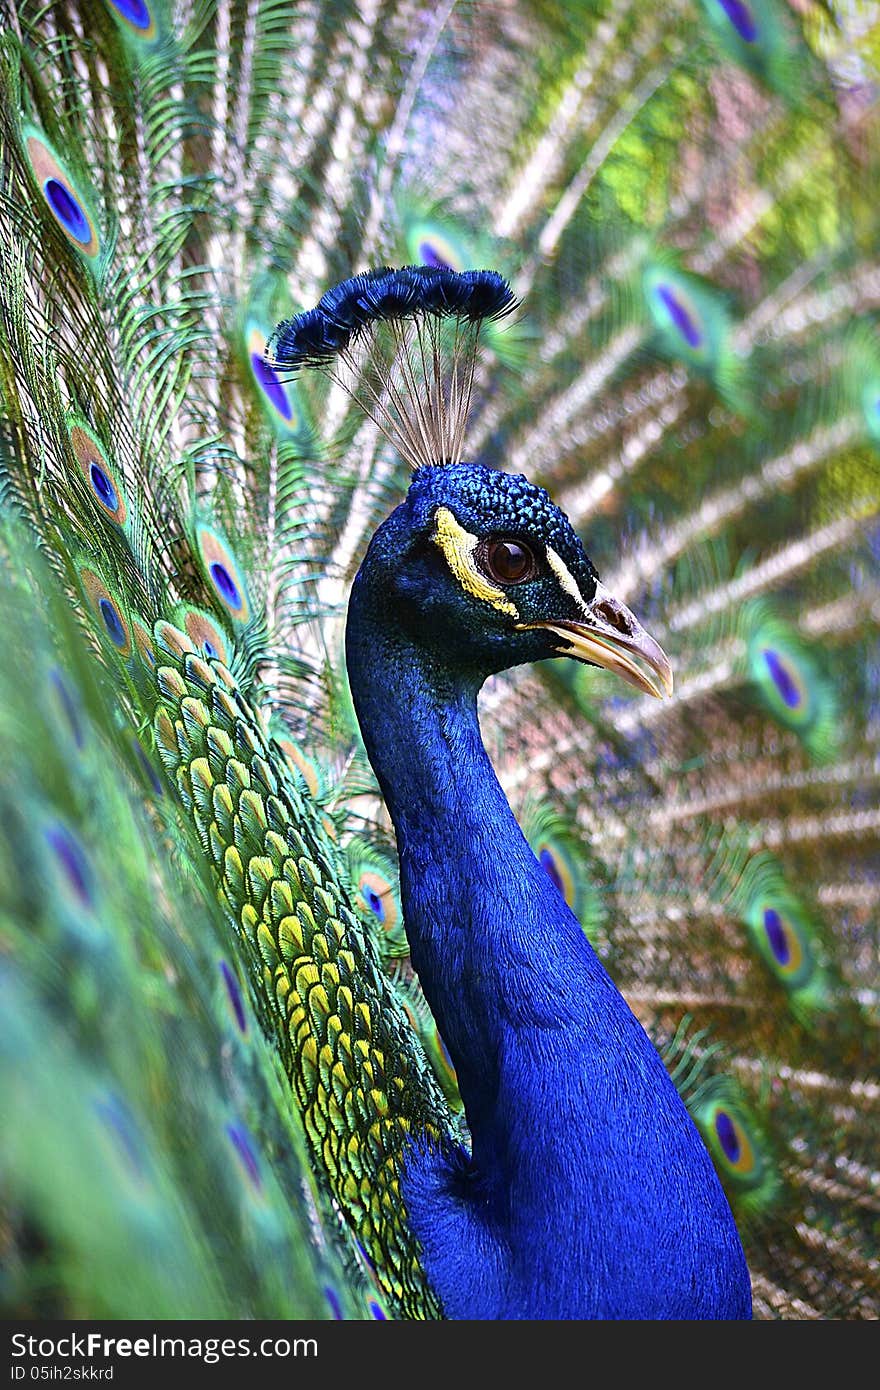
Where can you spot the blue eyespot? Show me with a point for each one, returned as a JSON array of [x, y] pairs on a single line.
[[105, 490], [68, 211], [272, 385], [547, 862], [776, 935], [225, 584], [376, 1311], [113, 623], [782, 678], [680, 315], [148, 769], [242, 1144], [374, 903], [209, 649], [742, 19], [333, 1299], [121, 1127], [428, 256], [727, 1136], [72, 860], [134, 11], [68, 705], [234, 993]]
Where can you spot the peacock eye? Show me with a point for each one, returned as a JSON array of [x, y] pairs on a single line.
[[506, 561]]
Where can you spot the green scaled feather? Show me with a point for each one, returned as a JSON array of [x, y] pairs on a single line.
[[317, 983]]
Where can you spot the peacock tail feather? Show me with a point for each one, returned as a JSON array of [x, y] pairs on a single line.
[[201, 922]]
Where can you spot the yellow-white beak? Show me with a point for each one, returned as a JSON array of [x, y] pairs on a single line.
[[610, 635]]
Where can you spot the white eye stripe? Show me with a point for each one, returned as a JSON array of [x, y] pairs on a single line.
[[566, 579], [458, 547]]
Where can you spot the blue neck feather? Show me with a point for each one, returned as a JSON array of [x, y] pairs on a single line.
[[589, 1192]]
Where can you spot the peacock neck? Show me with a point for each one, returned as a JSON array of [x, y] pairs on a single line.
[[500, 957], [587, 1182]]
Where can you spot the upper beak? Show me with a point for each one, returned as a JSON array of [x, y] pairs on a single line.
[[610, 635]]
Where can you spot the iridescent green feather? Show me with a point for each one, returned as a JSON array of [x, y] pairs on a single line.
[[692, 323], [789, 681], [789, 943]]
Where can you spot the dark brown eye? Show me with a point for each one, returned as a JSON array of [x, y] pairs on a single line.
[[507, 561]]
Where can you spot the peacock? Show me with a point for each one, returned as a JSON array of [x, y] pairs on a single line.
[[364, 955]]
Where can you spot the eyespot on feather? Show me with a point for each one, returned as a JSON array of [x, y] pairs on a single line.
[[233, 996], [378, 897], [111, 620], [97, 472], [789, 681], [71, 859], [433, 242], [245, 1155], [275, 393], [66, 204], [224, 574], [741, 1152], [136, 17]]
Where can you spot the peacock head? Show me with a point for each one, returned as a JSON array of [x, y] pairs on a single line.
[[478, 566], [483, 571]]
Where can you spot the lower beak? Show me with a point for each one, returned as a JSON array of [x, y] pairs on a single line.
[[610, 635]]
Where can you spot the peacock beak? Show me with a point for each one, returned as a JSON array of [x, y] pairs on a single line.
[[610, 635]]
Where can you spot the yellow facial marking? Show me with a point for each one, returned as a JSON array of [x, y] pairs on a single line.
[[566, 578], [458, 546]]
